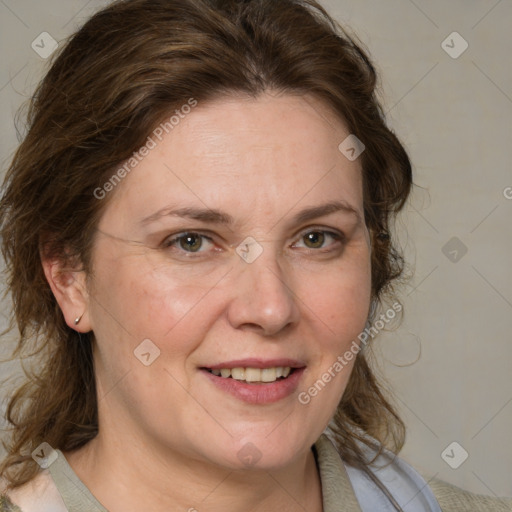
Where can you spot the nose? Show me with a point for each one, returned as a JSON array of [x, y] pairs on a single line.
[[263, 299]]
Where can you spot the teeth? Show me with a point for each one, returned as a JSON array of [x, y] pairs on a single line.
[[238, 373], [268, 374], [254, 374]]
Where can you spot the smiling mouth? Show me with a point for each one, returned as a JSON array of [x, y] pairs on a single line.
[[253, 375]]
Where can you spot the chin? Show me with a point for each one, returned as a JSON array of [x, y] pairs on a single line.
[[259, 452]]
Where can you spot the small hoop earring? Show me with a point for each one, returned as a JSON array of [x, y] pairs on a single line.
[[78, 318]]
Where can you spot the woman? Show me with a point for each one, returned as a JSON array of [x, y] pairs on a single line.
[[197, 237]]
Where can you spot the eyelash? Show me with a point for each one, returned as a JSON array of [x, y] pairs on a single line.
[[171, 242]]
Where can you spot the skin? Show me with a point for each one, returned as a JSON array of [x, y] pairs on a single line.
[[168, 437]]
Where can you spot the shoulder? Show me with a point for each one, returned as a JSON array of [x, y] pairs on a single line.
[[6, 505], [38, 495], [391, 476], [454, 499]]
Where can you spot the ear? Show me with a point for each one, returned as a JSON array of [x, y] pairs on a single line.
[[69, 287]]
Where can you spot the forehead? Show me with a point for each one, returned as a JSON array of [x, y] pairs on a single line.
[[246, 152], [285, 128]]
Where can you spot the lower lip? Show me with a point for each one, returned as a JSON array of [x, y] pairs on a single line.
[[265, 393]]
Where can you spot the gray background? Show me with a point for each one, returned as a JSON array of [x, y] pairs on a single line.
[[450, 362]]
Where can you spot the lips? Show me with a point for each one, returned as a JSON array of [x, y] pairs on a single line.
[[257, 381]]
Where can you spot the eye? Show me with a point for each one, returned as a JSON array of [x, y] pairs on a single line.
[[316, 239], [189, 242]]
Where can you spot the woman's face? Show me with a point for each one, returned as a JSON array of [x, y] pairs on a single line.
[[237, 246]]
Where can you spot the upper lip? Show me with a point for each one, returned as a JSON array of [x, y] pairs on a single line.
[[257, 363]]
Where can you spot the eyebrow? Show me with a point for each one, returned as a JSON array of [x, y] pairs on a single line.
[[213, 216], [326, 209], [202, 214]]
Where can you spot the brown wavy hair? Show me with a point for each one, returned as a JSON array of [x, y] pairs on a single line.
[[109, 86]]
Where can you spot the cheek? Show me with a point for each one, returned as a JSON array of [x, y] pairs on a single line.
[[346, 308], [146, 294], [340, 299], [337, 315], [135, 301], [337, 306], [180, 303]]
